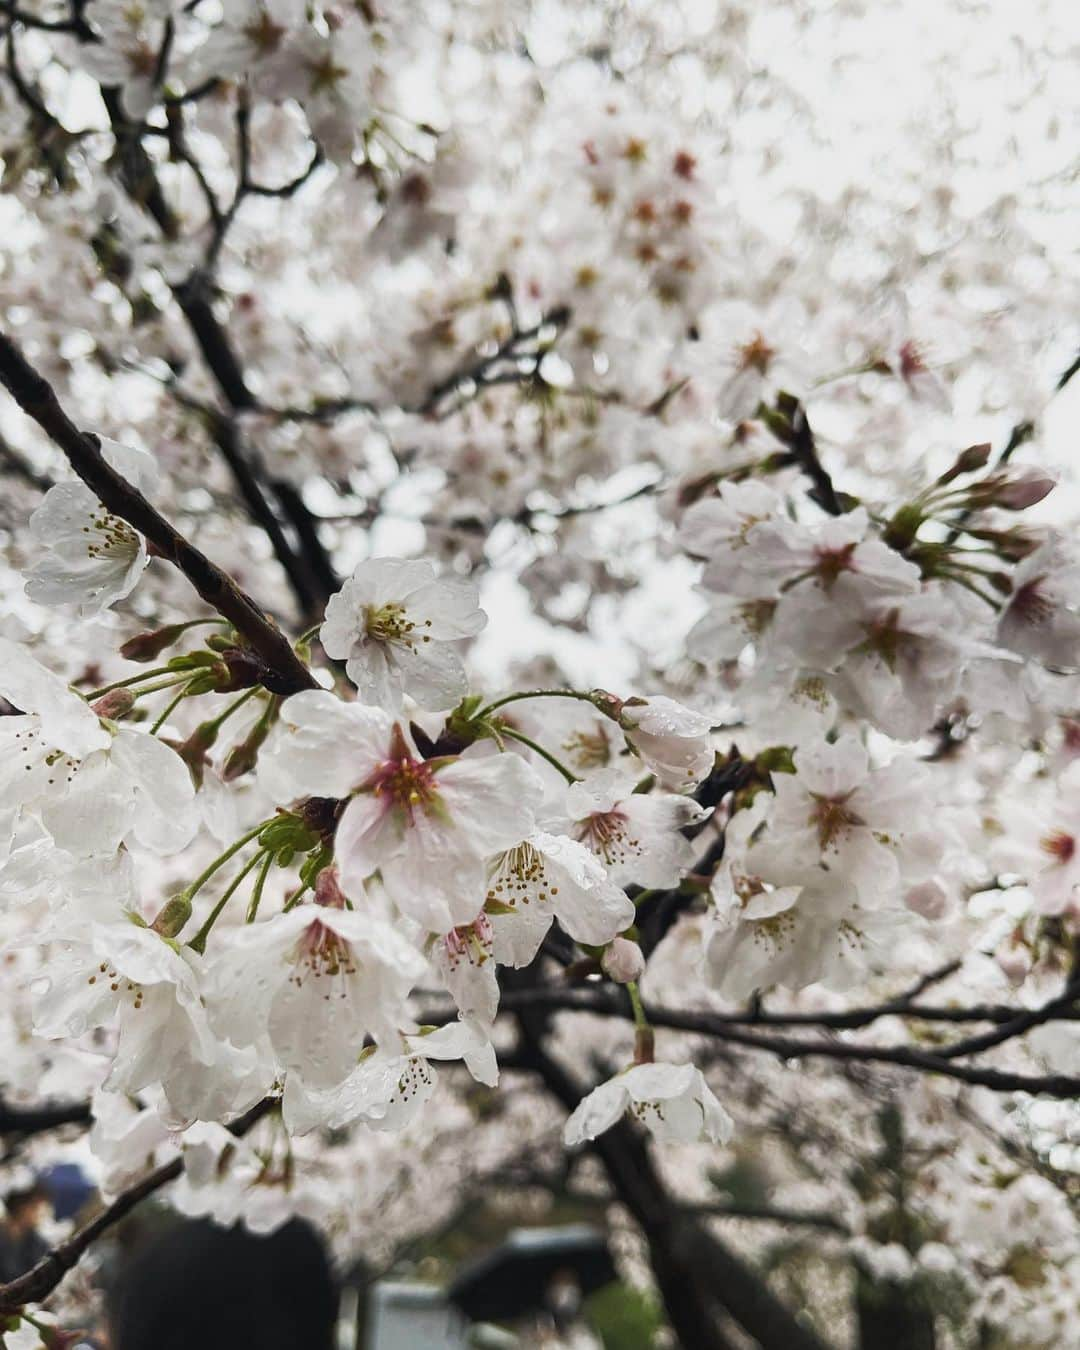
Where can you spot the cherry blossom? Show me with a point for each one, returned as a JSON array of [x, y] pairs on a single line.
[[672, 1101], [635, 835], [397, 629], [544, 878], [316, 980], [674, 741], [90, 557]]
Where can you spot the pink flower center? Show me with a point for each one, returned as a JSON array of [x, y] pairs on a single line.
[[1060, 845], [1030, 603], [321, 952], [911, 361], [756, 355], [402, 783], [471, 942], [832, 818], [831, 562], [607, 833]]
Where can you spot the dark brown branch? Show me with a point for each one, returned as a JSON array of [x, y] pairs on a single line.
[[39, 1282], [285, 672], [27, 1120], [606, 1003], [307, 567]]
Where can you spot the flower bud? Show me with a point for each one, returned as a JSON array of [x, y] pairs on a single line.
[[116, 703], [1014, 960], [609, 704], [1030, 487], [1015, 493], [149, 646], [173, 915], [967, 461], [623, 961]]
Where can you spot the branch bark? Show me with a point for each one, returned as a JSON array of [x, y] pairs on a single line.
[[27, 1120], [286, 673]]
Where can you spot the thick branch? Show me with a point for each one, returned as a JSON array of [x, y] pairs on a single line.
[[286, 673], [26, 1120]]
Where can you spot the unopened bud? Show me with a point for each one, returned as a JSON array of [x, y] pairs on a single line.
[[967, 461], [1001, 582], [116, 703], [149, 646], [928, 899], [200, 740], [623, 961], [1020, 491], [240, 760], [173, 915]]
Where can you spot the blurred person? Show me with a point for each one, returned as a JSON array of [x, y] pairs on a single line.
[[197, 1284], [21, 1244]]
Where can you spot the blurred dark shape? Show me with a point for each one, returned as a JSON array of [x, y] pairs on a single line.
[[68, 1188], [196, 1286], [535, 1270], [21, 1245]]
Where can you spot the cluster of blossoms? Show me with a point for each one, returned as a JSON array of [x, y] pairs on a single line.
[[440, 862]]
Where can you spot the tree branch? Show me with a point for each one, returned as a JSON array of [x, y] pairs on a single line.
[[40, 1280], [285, 672], [27, 1120], [605, 1003]]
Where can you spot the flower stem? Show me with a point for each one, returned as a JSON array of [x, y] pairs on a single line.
[[296, 897], [539, 749], [218, 722], [256, 894], [198, 942], [178, 677], [131, 679], [168, 710], [535, 693], [222, 858], [643, 1032]]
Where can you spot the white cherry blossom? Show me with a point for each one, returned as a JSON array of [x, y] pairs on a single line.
[[398, 629], [391, 1084], [635, 835], [860, 827], [672, 1101], [121, 973], [89, 557], [674, 741], [316, 979], [544, 878]]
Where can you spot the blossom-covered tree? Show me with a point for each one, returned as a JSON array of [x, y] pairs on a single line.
[[539, 538]]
